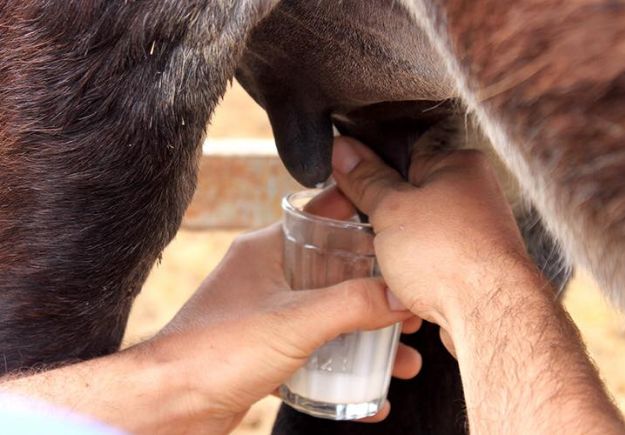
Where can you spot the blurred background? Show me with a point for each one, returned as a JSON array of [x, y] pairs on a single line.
[[240, 187]]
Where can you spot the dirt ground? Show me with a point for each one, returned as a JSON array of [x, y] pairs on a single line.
[[192, 255]]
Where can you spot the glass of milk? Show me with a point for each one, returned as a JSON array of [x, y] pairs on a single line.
[[347, 378]]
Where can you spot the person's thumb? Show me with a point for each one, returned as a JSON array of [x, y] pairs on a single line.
[[362, 176], [310, 318]]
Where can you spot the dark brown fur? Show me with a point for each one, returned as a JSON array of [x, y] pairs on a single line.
[[103, 107], [104, 104]]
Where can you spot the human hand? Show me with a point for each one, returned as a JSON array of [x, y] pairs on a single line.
[[245, 332], [445, 237]]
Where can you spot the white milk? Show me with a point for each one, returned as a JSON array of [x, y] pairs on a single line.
[[354, 368], [338, 387]]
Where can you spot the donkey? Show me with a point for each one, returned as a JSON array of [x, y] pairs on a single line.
[[105, 103]]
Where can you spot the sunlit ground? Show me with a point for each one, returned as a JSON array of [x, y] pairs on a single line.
[[192, 255]]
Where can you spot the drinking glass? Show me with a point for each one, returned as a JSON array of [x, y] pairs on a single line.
[[347, 378]]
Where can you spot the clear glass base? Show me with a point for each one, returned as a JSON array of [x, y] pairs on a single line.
[[331, 411]]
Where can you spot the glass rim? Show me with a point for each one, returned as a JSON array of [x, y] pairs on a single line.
[[288, 207]]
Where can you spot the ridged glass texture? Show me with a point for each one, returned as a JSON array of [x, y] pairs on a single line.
[[347, 378]]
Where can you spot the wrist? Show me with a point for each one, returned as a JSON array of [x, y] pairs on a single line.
[[159, 385], [516, 346], [164, 382], [490, 290], [187, 395]]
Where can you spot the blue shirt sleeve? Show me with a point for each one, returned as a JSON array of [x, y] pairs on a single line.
[[20, 415]]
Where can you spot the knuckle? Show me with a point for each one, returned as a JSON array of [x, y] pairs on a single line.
[[385, 211], [417, 307], [241, 243], [391, 200], [236, 244], [358, 295], [372, 184], [364, 179]]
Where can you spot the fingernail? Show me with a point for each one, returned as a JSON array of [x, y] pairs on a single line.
[[344, 157], [393, 302]]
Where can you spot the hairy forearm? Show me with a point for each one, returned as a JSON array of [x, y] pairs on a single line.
[[523, 364], [128, 390]]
